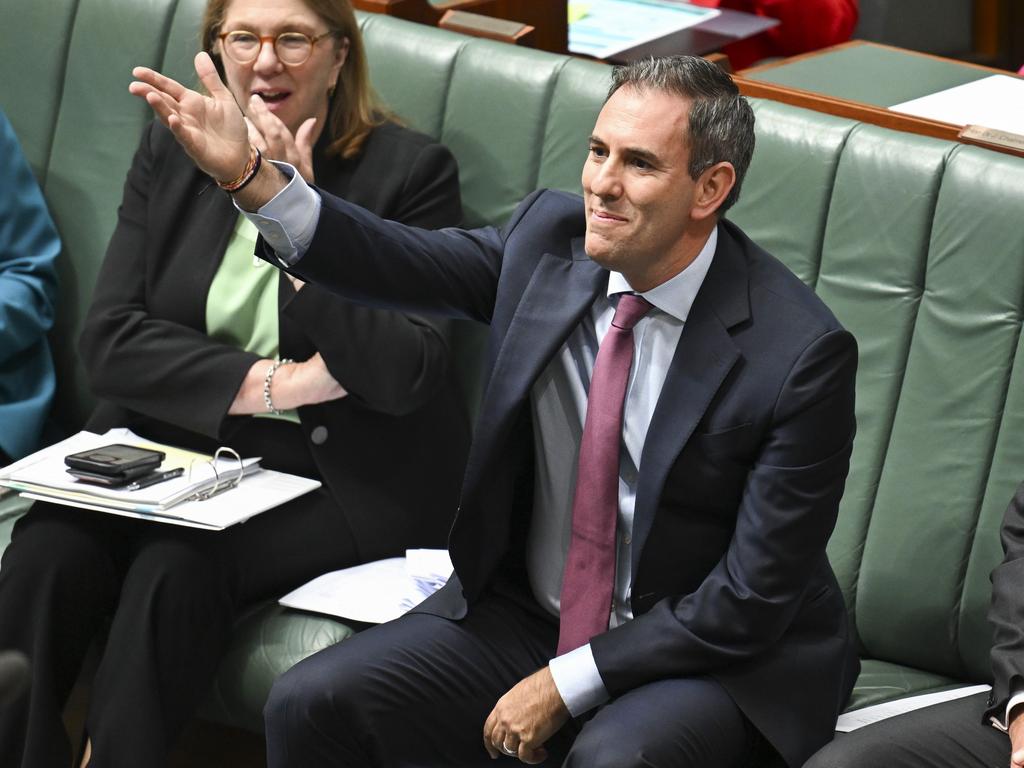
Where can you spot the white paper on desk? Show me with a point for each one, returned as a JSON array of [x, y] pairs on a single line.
[[606, 27], [992, 102], [858, 718], [374, 592]]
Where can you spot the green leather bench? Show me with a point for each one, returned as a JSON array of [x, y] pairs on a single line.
[[915, 243]]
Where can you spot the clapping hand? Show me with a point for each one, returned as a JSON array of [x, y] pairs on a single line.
[[274, 140]]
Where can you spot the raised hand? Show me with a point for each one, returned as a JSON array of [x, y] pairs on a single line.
[[211, 128], [275, 141]]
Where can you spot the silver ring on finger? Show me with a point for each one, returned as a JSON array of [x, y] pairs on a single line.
[[508, 750]]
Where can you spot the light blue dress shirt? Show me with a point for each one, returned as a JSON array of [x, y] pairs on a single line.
[[559, 403], [559, 400]]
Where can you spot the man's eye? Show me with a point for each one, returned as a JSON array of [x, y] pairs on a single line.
[[598, 151], [641, 165]]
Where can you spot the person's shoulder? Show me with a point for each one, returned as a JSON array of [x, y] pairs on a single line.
[[554, 203], [774, 287], [553, 214], [393, 139]]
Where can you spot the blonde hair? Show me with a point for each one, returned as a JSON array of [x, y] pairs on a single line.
[[354, 108]]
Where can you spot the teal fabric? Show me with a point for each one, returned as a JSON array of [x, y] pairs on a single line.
[[29, 247], [882, 681]]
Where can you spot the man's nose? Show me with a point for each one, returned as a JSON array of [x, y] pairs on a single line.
[[606, 181]]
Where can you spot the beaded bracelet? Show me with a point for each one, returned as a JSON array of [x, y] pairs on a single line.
[[251, 169], [266, 384]]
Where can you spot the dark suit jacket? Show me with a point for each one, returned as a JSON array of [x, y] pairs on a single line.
[[393, 450], [741, 473], [1007, 612]]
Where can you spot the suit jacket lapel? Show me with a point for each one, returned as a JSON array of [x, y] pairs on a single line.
[[703, 358], [558, 293]]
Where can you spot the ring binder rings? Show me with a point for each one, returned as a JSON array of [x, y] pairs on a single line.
[[209, 494], [220, 484]]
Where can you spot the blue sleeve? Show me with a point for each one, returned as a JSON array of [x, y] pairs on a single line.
[[28, 290], [28, 251]]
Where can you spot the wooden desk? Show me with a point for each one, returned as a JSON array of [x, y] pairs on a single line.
[[860, 80], [549, 19]]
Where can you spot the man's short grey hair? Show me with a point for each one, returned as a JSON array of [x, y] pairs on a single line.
[[721, 124]]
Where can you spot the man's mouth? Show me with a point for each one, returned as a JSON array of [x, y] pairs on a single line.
[[606, 216]]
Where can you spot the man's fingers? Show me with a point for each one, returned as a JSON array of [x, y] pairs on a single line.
[[493, 751], [209, 78], [489, 725], [163, 105], [1017, 759], [532, 756], [162, 83]]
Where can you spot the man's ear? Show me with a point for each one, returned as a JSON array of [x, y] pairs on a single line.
[[713, 186]]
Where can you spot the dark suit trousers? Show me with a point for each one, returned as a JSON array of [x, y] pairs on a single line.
[[171, 596], [416, 692], [948, 735]]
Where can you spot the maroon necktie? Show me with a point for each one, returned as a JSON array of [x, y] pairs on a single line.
[[589, 576]]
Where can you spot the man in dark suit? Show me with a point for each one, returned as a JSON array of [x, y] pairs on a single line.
[[640, 570], [979, 731]]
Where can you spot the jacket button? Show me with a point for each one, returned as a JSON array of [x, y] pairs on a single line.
[[318, 435]]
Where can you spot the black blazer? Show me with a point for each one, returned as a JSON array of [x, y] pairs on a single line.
[[741, 474], [1007, 612], [392, 452]]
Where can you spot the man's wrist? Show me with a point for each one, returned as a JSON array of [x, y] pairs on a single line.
[[261, 189], [578, 680]]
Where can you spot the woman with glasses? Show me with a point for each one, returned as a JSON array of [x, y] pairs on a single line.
[[200, 352]]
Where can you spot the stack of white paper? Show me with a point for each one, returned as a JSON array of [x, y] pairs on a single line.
[[993, 102], [427, 570], [179, 501], [375, 592]]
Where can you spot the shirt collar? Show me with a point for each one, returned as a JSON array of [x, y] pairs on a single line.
[[675, 296]]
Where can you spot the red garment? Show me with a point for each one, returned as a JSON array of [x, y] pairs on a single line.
[[807, 25]]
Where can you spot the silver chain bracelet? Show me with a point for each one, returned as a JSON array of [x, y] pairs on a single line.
[[266, 384]]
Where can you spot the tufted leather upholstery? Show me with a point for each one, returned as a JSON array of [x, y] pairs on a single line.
[[915, 243]]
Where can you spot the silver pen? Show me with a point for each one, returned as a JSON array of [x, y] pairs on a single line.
[[153, 479]]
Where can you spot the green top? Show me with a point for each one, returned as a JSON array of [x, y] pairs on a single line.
[[241, 307], [871, 75]]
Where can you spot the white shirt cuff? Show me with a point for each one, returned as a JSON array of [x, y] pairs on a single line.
[[288, 221], [578, 681], [1016, 699]]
